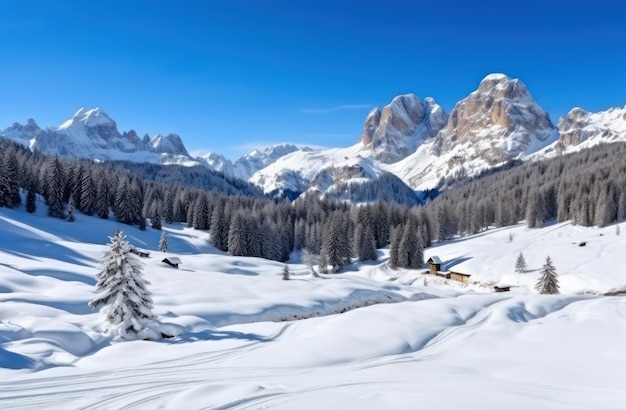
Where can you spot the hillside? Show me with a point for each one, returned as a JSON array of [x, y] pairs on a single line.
[[238, 344]]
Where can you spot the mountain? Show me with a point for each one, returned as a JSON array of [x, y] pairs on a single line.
[[416, 140], [581, 129], [498, 122], [91, 133], [395, 132], [170, 144], [361, 180]]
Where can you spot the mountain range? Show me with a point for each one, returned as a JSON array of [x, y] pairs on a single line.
[[410, 144]]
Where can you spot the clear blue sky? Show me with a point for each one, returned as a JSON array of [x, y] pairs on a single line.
[[231, 75]]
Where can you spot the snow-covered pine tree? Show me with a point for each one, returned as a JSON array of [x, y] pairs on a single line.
[[286, 272], [122, 292], [163, 245], [238, 235], [520, 264], [364, 243], [548, 284]]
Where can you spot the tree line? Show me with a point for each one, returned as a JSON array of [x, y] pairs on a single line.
[[588, 187]]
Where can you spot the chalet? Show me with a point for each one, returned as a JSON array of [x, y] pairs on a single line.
[[501, 288], [459, 277], [435, 264], [173, 261], [140, 252]]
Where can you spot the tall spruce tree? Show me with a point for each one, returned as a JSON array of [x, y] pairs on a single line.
[[122, 292], [548, 283], [55, 184]]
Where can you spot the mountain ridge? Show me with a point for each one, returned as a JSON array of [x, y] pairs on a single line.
[[416, 140]]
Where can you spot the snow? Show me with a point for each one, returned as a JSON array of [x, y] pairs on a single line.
[[239, 345], [496, 77]]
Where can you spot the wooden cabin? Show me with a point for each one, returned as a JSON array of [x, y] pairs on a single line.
[[459, 277], [501, 288], [435, 264], [173, 261], [140, 252]]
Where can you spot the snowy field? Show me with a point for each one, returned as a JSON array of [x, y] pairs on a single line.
[[367, 338]]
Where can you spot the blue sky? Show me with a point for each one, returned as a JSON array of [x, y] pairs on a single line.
[[232, 75]]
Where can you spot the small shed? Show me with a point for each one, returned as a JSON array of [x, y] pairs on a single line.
[[140, 252], [502, 288], [435, 264], [173, 261], [459, 277]]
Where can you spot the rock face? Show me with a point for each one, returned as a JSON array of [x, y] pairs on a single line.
[[500, 121], [396, 131], [170, 144], [19, 132], [580, 126]]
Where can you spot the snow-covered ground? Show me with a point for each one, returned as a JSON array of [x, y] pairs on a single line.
[[370, 337]]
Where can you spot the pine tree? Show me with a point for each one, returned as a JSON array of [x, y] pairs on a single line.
[[364, 243], [163, 245], [548, 283], [520, 264], [396, 237], [122, 292], [70, 210], [237, 235], [155, 218], [88, 196], [102, 199], [30, 200], [55, 184], [286, 272]]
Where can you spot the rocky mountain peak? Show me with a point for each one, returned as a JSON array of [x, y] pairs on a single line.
[[499, 121], [93, 117], [169, 144], [395, 131], [579, 126]]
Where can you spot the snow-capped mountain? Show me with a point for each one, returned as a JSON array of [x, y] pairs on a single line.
[[170, 144], [421, 144], [414, 139], [91, 133], [395, 132], [498, 122], [360, 179]]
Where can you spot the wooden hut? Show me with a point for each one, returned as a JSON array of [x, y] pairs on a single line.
[[459, 277], [435, 264], [173, 261], [140, 252]]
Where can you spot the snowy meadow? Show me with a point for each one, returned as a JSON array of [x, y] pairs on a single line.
[[367, 337]]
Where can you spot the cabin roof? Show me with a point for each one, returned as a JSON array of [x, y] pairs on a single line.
[[173, 259], [435, 259]]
